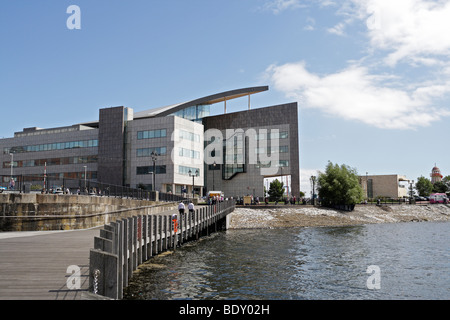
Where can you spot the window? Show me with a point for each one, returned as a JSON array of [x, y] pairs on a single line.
[[52, 146], [283, 163], [185, 170], [189, 153], [147, 152], [189, 136], [149, 170], [151, 134]]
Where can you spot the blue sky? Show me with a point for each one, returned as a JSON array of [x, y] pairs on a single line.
[[372, 77]]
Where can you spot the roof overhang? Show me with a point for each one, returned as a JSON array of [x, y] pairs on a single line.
[[208, 100]]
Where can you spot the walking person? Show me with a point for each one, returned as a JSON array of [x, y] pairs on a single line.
[[191, 207], [181, 208]]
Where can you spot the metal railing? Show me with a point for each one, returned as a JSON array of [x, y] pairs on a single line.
[[36, 183], [126, 243]]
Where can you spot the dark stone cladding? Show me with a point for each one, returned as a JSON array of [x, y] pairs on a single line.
[[111, 146], [269, 116]]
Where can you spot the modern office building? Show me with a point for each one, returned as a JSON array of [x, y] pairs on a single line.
[[179, 148]]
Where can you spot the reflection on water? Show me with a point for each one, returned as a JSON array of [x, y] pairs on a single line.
[[304, 263]]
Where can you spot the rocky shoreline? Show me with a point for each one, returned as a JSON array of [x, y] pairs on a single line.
[[307, 216]]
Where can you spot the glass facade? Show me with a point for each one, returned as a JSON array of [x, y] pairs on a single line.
[[51, 162], [149, 170], [269, 136], [185, 135], [234, 156], [194, 113], [52, 146], [91, 175], [185, 170], [147, 152], [150, 134], [188, 153]]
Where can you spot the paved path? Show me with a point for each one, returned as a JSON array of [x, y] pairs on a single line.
[[33, 265]]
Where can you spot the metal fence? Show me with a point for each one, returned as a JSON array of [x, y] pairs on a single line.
[[37, 183], [126, 243]]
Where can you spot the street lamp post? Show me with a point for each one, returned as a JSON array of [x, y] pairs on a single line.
[[12, 165], [154, 158], [313, 180], [196, 174], [367, 185], [214, 173], [85, 174]]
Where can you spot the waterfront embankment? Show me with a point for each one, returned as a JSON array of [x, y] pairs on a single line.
[[308, 216]]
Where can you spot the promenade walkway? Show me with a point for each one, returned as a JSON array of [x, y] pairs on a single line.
[[33, 265]]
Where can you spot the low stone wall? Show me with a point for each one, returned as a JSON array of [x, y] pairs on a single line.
[[43, 212]]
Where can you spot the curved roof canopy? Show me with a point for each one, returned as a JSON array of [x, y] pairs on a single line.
[[208, 100]]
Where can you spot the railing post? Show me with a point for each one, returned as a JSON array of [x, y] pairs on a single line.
[[139, 241], [144, 236], [150, 235], [125, 251], [130, 246], [103, 279]]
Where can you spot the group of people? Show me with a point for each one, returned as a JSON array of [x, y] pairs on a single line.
[[181, 207]]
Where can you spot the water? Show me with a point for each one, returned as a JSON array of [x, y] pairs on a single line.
[[305, 263]]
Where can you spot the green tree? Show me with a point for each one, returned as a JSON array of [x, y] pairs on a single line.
[[339, 185], [276, 190], [440, 187], [424, 186]]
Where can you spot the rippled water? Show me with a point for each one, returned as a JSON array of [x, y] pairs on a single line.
[[304, 263]]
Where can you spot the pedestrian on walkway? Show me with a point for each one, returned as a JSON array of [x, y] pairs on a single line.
[[181, 207], [191, 207]]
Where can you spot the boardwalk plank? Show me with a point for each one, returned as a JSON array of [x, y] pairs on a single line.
[[34, 265]]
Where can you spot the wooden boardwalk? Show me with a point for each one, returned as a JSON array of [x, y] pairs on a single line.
[[33, 265]]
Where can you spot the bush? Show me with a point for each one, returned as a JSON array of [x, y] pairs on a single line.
[[339, 185]]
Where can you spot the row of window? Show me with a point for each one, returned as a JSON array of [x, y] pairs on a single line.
[[150, 134], [281, 149], [162, 169], [189, 153], [185, 170], [189, 136], [90, 175], [52, 146], [149, 170], [281, 163], [271, 136], [51, 162], [147, 152]]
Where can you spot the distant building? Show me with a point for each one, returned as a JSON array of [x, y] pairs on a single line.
[[389, 186], [435, 174]]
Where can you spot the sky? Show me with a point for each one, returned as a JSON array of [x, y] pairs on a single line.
[[371, 77]]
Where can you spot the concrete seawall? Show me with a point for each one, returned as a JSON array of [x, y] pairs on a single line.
[[44, 212]]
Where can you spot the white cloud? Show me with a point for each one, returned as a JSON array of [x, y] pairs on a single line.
[[354, 94], [311, 23], [337, 29], [278, 6], [408, 30]]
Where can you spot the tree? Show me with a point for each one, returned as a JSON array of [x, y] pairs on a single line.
[[339, 185], [440, 187], [276, 190], [424, 186]]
